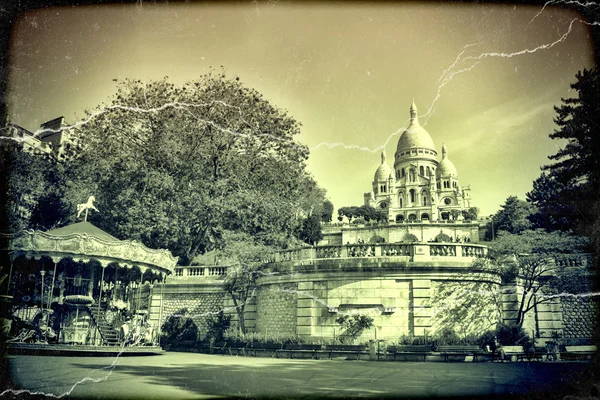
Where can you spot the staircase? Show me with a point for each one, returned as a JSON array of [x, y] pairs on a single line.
[[110, 336]]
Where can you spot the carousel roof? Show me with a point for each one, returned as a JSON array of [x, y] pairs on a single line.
[[83, 241], [82, 228]]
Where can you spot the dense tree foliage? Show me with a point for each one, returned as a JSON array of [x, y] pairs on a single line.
[[311, 231], [32, 185], [327, 213], [176, 166], [368, 213], [566, 194], [513, 217], [529, 258]]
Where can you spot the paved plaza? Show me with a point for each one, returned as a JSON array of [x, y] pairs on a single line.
[[185, 375]]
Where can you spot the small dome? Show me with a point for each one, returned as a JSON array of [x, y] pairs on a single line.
[[384, 171], [446, 167], [415, 135]]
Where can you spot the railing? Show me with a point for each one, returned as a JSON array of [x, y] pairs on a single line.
[[473, 251], [393, 250], [448, 250], [199, 272]]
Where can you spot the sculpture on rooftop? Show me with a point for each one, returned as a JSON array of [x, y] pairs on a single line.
[[86, 206]]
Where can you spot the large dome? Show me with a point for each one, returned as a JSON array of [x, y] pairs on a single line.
[[446, 167], [383, 171], [415, 135]]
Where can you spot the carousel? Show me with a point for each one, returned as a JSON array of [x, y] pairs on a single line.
[[77, 289]]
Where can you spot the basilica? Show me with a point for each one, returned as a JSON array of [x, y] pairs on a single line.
[[418, 187]]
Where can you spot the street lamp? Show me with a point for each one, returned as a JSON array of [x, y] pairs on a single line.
[[492, 219]]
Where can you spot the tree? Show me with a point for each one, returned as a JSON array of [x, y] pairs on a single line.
[[529, 259], [512, 217], [246, 258], [471, 214], [32, 188], [311, 231], [177, 166], [566, 194], [327, 213]]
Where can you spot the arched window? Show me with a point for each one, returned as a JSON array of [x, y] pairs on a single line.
[[425, 216], [424, 197], [412, 195], [399, 218], [438, 185], [412, 175], [397, 174], [454, 184], [421, 171], [428, 171], [403, 173], [400, 198]]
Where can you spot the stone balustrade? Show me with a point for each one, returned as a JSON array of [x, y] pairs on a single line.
[[415, 251], [199, 272]]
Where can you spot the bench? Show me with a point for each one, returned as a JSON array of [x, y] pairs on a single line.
[[460, 352], [511, 351], [219, 348], [269, 348], [303, 349], [578, 352], [408, 351], [345, 349]]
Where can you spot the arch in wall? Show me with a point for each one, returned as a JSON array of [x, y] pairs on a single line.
[[377, 239], [445, 215], [428, 172], [442, 237], [412, 196], [421, 171], [410, 238], [424, 196], [425, 216], [412, 217], [399, 218]]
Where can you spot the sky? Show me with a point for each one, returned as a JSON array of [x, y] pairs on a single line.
[[485, 78]]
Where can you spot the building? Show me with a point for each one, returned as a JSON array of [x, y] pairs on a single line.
[[53, 137], [418, 187]]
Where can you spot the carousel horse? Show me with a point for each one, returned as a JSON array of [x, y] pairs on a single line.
[[86, 206]]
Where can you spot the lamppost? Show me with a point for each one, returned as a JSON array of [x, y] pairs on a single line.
[[492, 219]]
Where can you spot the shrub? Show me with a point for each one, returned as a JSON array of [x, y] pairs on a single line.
[[217, 325], [447, 336], [178, 328], [512, 335]]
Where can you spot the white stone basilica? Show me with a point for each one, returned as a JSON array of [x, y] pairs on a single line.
[[419, 187]]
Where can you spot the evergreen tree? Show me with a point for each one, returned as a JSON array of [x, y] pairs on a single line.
[[566, 194]]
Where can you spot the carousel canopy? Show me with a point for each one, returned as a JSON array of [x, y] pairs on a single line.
[[84, 242]]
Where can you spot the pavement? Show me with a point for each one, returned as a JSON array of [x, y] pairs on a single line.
[[189, 375]]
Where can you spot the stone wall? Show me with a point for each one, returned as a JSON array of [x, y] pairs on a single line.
[[467, 307], [199, 306], [277, 305], [579, 317]]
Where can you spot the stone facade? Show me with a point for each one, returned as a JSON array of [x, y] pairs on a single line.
[[278, 309], [579, 316], [199, 302]]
